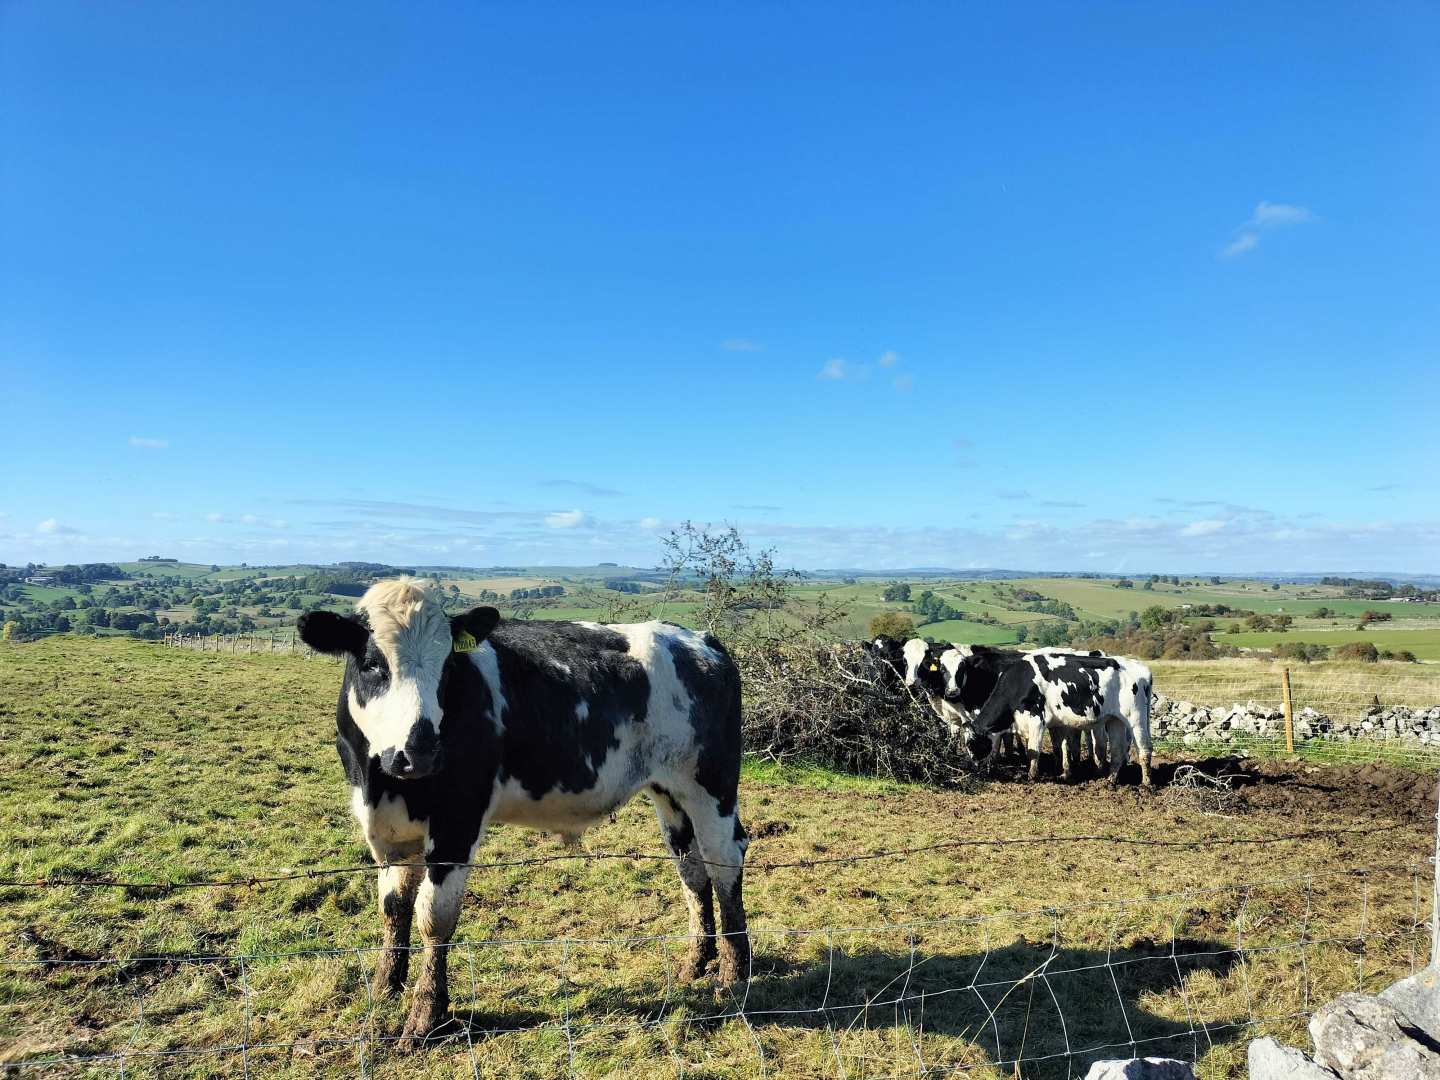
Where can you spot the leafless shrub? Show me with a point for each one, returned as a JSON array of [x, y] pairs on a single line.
[[808, 695]]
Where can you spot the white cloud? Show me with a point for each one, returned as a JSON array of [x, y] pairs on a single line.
[[147, 442], [835, 369], [649, 523], [1204, 527], [1241, 244], [889, 358], [1267, 215], [52, 527], [565, 519], [741, 345], [216, 517]]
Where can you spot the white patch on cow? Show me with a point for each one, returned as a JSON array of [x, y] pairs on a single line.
[[488, 664], [412, 632], [389, 830], [437, 907], [913, 652]]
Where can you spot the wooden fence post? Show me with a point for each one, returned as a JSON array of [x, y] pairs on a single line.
[[1289, 712]]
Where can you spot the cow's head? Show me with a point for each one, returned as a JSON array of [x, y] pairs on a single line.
[[396, 647], [922, 667]]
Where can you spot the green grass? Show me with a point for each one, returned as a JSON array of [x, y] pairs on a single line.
[[118, 757], [968, 633], [1425, 644]]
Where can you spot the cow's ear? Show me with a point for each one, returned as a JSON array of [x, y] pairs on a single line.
[[332, 634], [470, 628]]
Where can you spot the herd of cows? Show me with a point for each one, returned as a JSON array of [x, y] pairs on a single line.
[[986, 694], [446, 724]]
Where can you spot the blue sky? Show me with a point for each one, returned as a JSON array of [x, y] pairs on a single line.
[[1129, 287]]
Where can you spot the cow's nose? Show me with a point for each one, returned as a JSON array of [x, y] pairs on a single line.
[[396, 762]]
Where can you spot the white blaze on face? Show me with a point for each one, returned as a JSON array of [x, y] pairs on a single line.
[[914, 652], [412, 632]]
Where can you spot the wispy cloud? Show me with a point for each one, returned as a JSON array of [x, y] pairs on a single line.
[[741, 345], [836, 369], [52, 527], [1244, 242], [584, 487], [960, 442], [889, 358], [1266, 216], [216, 518], [1203, 527], [904, 383], [1012, 495], [649, 523], [148, 442], [565, 519]]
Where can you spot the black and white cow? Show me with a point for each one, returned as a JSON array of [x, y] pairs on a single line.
[[1072, 692], [447, 724]]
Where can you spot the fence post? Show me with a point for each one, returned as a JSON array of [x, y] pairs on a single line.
[[1289, 712], [1435, 883]]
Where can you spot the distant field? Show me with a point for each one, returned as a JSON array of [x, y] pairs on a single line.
[[968, 633], [1425, 644]]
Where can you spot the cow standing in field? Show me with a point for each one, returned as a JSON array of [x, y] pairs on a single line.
[[447, 724], [1073, 692]]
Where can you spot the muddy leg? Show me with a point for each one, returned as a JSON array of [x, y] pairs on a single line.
[[723, 843], [398, 885], [437, 910], [679, 835]]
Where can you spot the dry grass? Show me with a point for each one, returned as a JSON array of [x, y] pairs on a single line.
[[123, 758]]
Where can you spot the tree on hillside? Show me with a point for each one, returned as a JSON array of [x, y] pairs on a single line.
[[892, 624], [897, 590]]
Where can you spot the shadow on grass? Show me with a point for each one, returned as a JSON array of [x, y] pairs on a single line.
[[1053, 1010]]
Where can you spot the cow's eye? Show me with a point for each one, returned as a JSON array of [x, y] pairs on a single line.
[[370, 665]]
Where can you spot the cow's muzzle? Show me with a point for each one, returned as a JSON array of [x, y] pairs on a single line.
[[421, 755], [979, 746]]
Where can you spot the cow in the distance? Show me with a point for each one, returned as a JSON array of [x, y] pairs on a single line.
[[1073, 692], [447, 724]]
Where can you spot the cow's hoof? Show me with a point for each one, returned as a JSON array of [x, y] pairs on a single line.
[[424, 1026], [694, 966], [389, 980]]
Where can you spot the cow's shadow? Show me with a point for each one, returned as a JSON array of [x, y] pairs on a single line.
[[1053, 1009]]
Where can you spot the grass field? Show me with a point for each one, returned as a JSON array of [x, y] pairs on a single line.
[[124, 758], [1425, 644]]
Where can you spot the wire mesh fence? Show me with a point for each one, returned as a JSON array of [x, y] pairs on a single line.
[[1042, 993], [1339, 712]]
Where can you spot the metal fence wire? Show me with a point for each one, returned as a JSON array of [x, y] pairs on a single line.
[[1042, 993]]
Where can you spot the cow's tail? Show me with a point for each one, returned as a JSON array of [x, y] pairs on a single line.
[[1143, 688]]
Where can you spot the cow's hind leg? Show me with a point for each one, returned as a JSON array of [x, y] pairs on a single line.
[[723, 842], [679, 834], [398, 885]]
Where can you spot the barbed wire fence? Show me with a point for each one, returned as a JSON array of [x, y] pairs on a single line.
[[1038, 992]]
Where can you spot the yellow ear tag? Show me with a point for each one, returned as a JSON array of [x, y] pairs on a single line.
[[934, 667], [465, 642]]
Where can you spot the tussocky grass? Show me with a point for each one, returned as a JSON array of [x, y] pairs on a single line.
[[127, 759]]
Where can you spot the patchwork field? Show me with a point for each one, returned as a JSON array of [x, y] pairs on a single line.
[[125, 759]]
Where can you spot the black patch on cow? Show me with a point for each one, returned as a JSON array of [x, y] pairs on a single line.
[[547, 669], [977, 675], [713, 685]]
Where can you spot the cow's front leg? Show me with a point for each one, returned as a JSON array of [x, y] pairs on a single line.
[[437, 910], [398, 885]]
